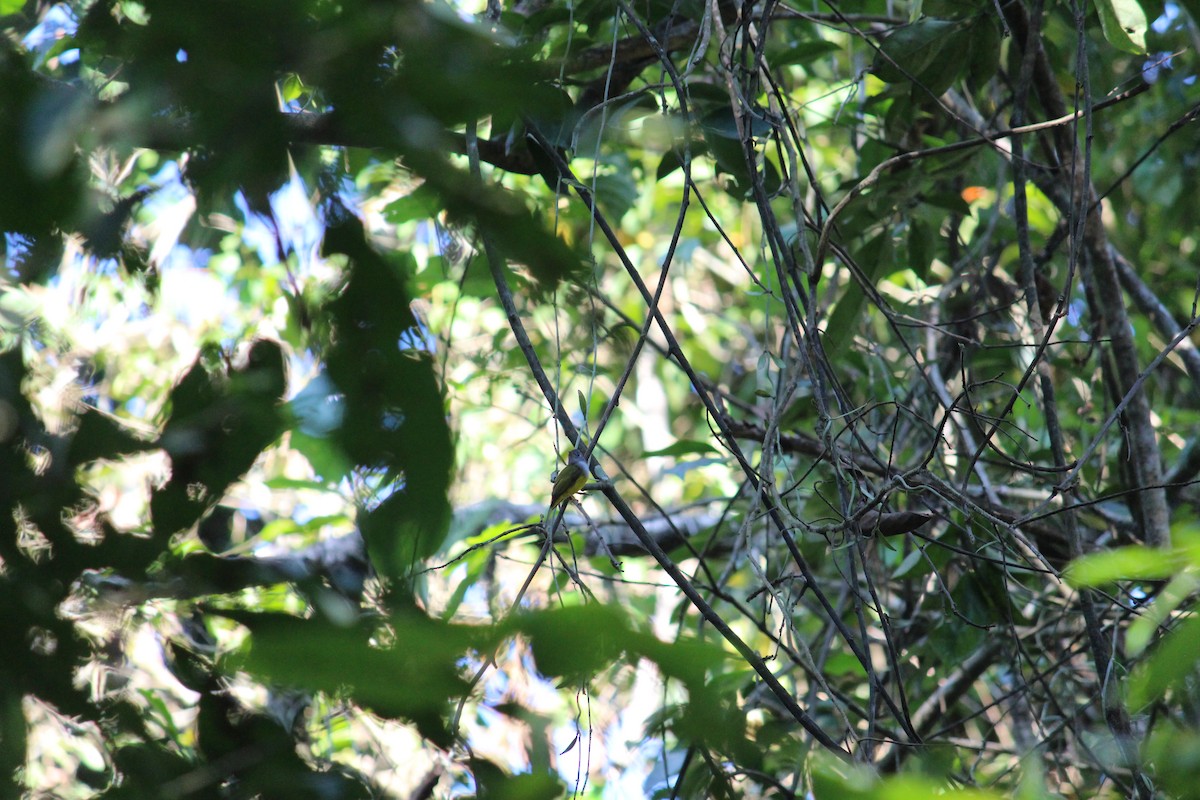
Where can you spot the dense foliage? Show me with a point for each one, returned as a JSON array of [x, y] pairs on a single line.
[[874, 320]]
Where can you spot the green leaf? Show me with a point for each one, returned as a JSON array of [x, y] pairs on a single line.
[[574, 643], [101, 435], [730, 158], [722, 123], [495, 784], [1124, 24], [955, 9], [842, 664], [421, 203], [583, 406], [43, 179], [415, 678], [1144, 628], [843, 322], [922, 239], [688, 660], [218, 425], [805, 52], [324, 455], [477, 562], [395, 421], [597, 132], [1172, 663], [616, 192], [291, 87], [526, 787], [145, 765], [520, 237], [910, 561], [1134, 562], [1173, 747], [984, 50], [834, 778], [671, 161], [913, 50], [683, 447], [279, 483]]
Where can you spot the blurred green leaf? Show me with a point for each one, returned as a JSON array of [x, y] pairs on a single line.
[[526, 787], [1174, 750], [398, 427], [101, 435], [219, 423], [616, 192], [805, 52], [1124, 24], [1171, 663], [421, 203], [573, 643], [414, 678], [927, 49], [1134, 562], [839, 779], [683, 447], [1144, 629], [874, 257], [493, 782]]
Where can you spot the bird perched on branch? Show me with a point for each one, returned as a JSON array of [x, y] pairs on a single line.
[[571, 478]]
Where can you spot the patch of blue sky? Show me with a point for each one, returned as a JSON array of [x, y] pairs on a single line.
[[165, 212], [258, 232], [168, 186], [1155, 65], [106, 267], [431, 235], [640, 769], [1075, 310], [476, 597], [136, 407], [318, 407], [665, 772], [68, 288], [192, 295], [1170, 17], [16, 248], [418, 338], [58, 23], [300, 227], [293, 226], [541, 695], [378, 486], [495, 689], [1164, 20]]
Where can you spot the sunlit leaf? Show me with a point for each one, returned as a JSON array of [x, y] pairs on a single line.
[[1124, 24], [1133, 562]]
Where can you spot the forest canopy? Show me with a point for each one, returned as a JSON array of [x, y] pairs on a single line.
[[601, 399]]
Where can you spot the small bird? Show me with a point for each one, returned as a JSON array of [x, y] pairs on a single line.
[[892, 523], [571, 478]]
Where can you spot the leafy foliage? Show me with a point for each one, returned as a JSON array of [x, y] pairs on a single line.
[[881, 345]]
